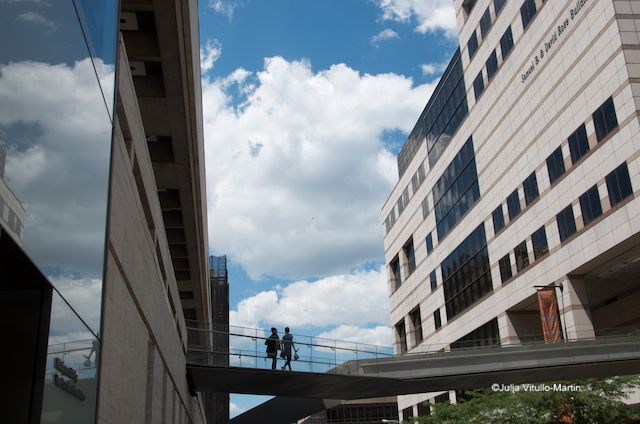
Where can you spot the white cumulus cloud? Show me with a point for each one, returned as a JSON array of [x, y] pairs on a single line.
[[209, 53], [385, 34], [433, 68], [380, 335], [37, 19], [359, 298], [225, 7], [297, 172], [430, 15]]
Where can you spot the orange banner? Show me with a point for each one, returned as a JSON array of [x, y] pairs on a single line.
[[551, 326]]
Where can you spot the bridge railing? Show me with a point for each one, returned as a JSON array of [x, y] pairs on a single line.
[[245, 347]]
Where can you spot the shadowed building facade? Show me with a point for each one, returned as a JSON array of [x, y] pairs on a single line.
[[521, 175]]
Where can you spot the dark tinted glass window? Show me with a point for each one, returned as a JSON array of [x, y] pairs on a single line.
[[566, 223], [425, 208], [498, 5], [522, 257], [485, 23], [485, 335], [590, 205], [456, 191], [605, 119], [466, 274], [410, 254], [539, 241], [492, 65], [472, 45], [555, 165], [506, 43], [498, 219], [505, 268], [441, 118], [433, 280], [578, 144], [429, 243], [478, 85], [513, 205], [395, 272], [618, 184], [530, 186], [416, 322], [401, 337], [437, 320], [527, 12]]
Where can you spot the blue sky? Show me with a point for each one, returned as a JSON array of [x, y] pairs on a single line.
[[306, 104]]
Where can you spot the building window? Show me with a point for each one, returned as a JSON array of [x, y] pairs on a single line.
[[619, 184], [506, 43], [555, 165], [391, 219], [456, 191], [498, 219], [401, 337], [437, 320], [605, 119], [566, 223], [395, 273], [522, 256], [478, 85], [492, 65], [425, 208], [472, 45], [539, 241], [423, 409], [429, 241], [498, 5], [403, 200], [407, 413], [417, 179], [433, 280], [466, 274], [410, 254], [416, 322], [505, 268], [527, 12], [485, 335], [590, 205], [467, 5], [513, 205], [485, 23], [530, 186], [578, 144]]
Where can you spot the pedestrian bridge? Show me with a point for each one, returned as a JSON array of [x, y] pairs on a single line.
[[336, 370]]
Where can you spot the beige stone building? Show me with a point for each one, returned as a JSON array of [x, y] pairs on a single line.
[[522, 172]]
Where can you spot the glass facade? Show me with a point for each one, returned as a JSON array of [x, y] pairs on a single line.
[[57, 82], [485, 335], [619, 184], [456, 191], [466, 274], [441, 118]]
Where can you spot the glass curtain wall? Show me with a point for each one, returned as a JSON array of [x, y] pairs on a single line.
[[57, 80]]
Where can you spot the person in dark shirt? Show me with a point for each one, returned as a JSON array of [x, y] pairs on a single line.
[[273, 344], [287, 346]]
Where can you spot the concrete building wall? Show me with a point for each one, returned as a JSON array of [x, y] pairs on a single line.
[[143, 363], [516, 123]]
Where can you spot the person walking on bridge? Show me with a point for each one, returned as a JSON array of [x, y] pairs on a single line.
[[287, 345], [273, 344]]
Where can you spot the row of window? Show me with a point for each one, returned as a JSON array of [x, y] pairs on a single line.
[[619, 188], [416, 181], [491, 65], [485, 25], [605, 121]]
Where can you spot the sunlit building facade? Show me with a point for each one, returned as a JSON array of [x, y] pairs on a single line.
[[521, 175], [103, 235]]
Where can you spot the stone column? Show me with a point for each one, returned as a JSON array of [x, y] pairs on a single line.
[[508, 335], [574, 309]]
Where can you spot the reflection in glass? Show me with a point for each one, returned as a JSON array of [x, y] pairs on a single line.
[[71, 374], [56, 133]]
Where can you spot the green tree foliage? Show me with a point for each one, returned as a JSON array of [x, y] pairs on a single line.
[[598, 401]]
